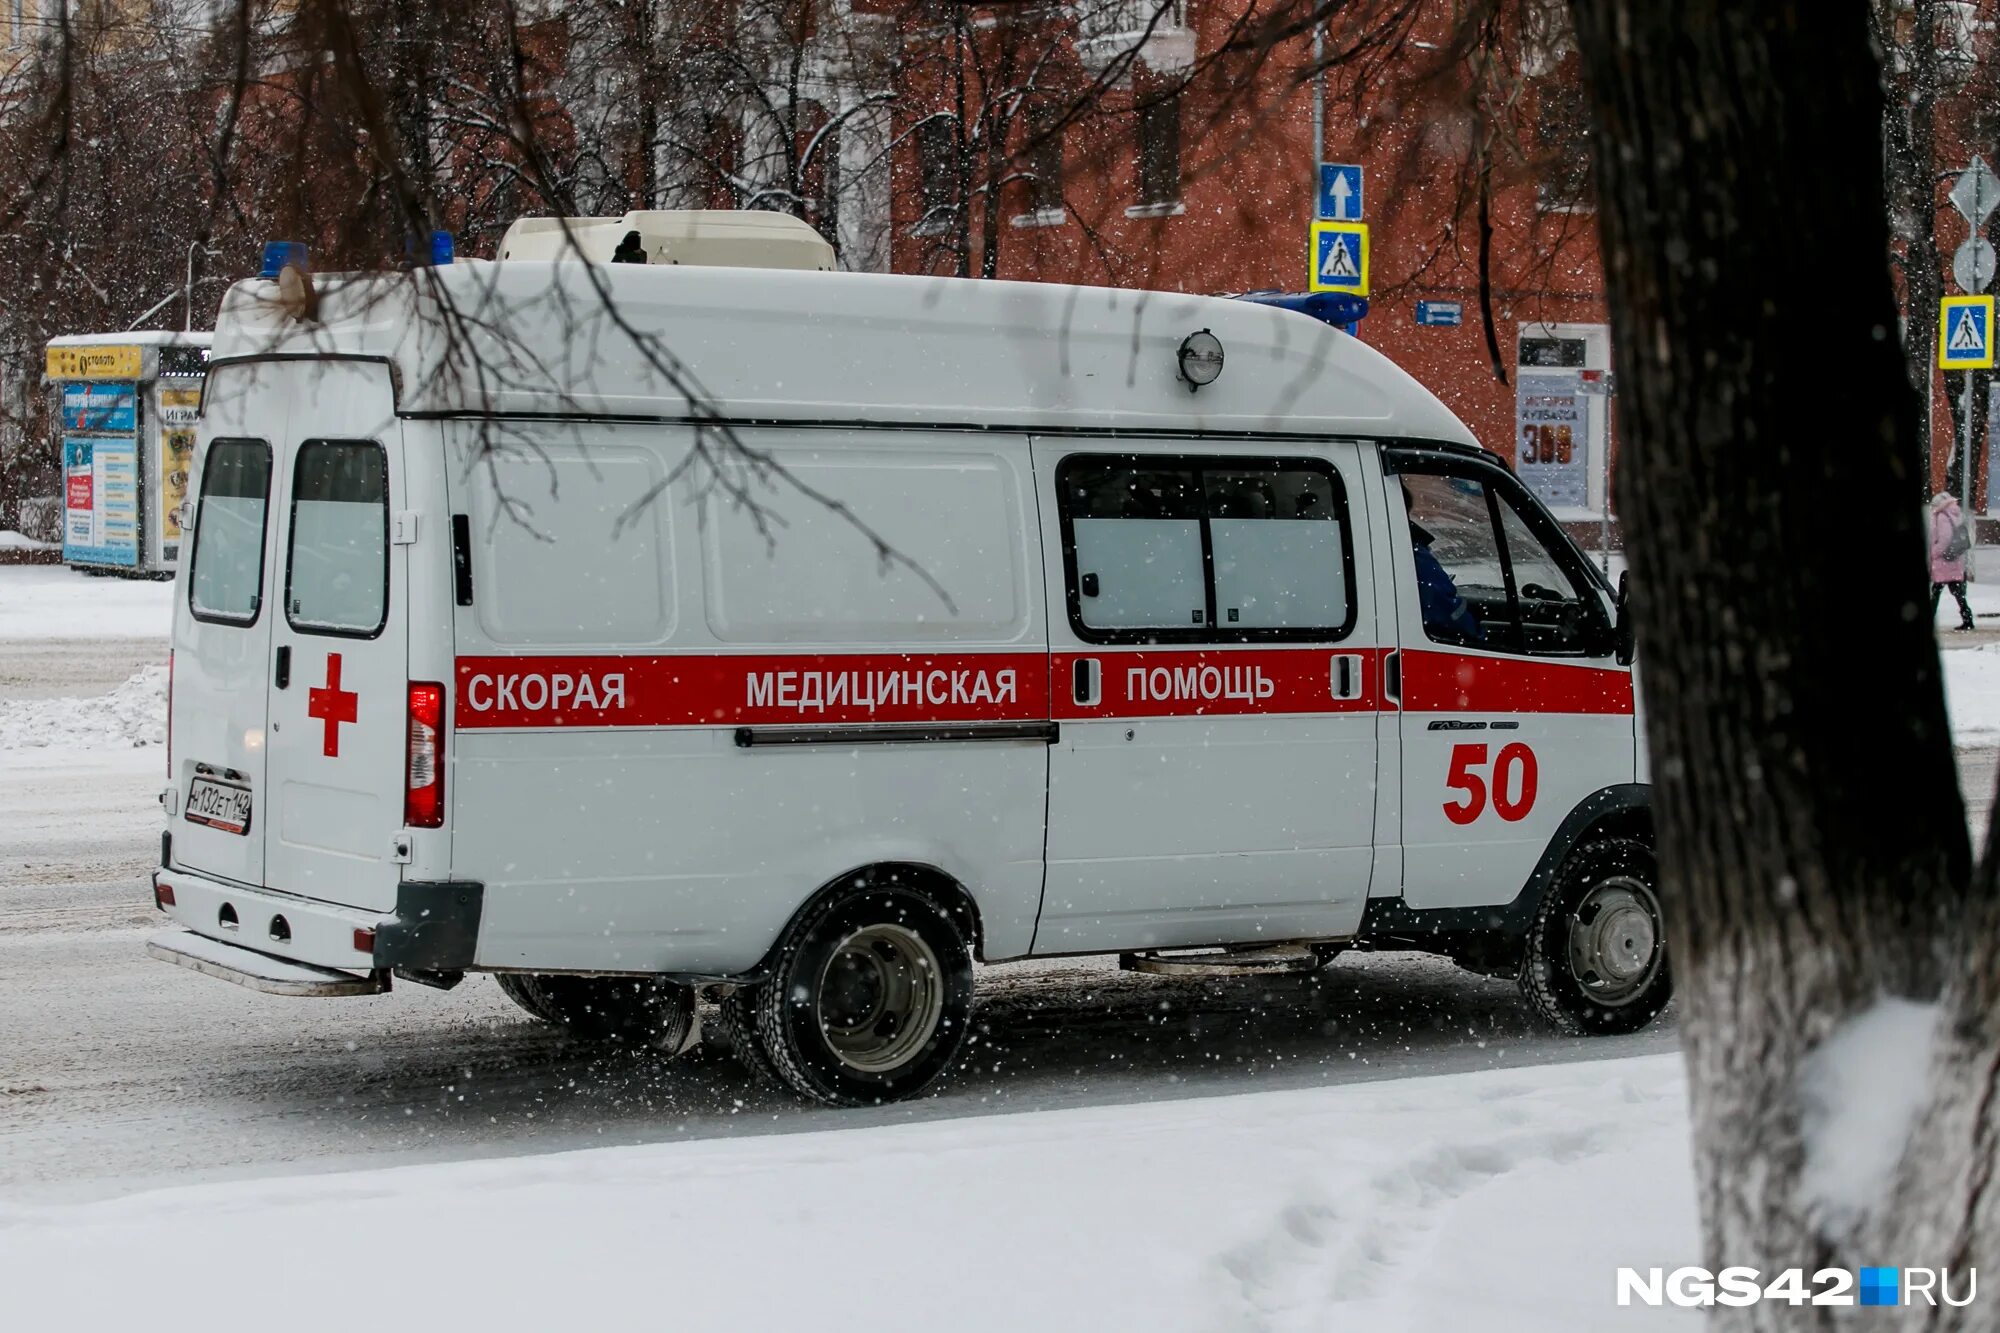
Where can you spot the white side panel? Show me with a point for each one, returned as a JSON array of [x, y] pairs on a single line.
[[644, 837], [674, 850]]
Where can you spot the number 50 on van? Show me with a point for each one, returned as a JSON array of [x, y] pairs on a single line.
[[1829, 1286]]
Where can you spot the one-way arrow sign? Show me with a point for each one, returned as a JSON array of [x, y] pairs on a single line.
[[1340, 192]]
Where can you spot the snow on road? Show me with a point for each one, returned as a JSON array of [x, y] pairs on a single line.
[[1401, 1206], [54, 602]]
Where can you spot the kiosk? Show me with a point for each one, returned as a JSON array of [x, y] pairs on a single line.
[[124, 408]]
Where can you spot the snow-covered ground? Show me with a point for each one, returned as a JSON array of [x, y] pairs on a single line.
[[1403, 1207], [1972, 695]]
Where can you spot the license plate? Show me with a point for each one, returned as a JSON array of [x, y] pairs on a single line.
[[219, 805]]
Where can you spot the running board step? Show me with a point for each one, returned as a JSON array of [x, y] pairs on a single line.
[[1249, 961], [260, 971]]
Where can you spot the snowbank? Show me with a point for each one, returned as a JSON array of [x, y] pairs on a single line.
[[134, 714], [11, 540], [1507, 1198], [55, 602]]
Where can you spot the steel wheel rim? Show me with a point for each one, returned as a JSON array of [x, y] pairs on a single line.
[[881, 998], [1615, 940]]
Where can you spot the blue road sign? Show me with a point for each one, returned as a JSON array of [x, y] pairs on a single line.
[[1340, 191], [1965, 333], [1441, 314], [1339, 257]]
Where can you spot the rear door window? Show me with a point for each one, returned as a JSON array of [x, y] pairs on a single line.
[[337, 571], [226, 570]]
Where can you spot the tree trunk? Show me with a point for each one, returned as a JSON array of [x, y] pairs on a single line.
[[1913, 172], [1812, 838]]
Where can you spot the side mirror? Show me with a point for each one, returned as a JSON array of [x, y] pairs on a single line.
[[1628, 647]]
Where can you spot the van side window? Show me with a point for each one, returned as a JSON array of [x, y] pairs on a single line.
[[337, 572], [226, 570], [1279, 557], [1136, 531], [1194, 550], [1485, 579]]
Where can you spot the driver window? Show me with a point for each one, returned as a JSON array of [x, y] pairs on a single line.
[[1461, 582], [1554, 617], [1485, 580]]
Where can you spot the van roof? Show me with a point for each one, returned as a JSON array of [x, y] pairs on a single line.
[[744, 237], [533, 338], [134, 338]]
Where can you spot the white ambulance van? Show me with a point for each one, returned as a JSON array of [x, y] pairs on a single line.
[[800, 638]]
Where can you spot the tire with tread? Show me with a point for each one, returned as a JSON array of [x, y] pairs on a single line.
[[1549, 977], [788, 1018], [630, 1011], [736, 1017], [519, 987]]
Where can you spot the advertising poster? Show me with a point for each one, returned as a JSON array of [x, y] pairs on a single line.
[[1552, 432], [179, 409], [100, 474]]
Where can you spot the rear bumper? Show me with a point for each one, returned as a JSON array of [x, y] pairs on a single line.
[[320, 934], [434, 929], [259, 971]]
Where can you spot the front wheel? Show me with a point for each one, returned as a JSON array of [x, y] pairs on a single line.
[[1597, 953], [868, 1000]]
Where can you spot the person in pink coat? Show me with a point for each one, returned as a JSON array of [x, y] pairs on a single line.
[[1951, 540]]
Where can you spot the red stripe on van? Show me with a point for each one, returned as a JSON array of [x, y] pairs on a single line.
[[1170, 682], [716, 689], [1435, 682]]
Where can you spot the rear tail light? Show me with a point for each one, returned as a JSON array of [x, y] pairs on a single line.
[[364, 939], [423, 769], [163, 896]]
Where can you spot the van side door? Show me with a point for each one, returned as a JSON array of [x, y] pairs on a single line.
[[1514, 705], [1214, 670]]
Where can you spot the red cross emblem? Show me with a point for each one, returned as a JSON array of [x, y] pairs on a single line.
[[332, 705]]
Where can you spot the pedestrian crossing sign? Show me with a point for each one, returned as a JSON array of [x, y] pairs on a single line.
[[1339, 258], [1965, 333]]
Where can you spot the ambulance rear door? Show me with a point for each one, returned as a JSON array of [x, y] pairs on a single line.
[[223, 611], [339, 671]]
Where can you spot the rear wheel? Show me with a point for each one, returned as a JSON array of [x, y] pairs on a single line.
[[520, 988], [632, 1011], [868, 1000], [1597, 953]]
